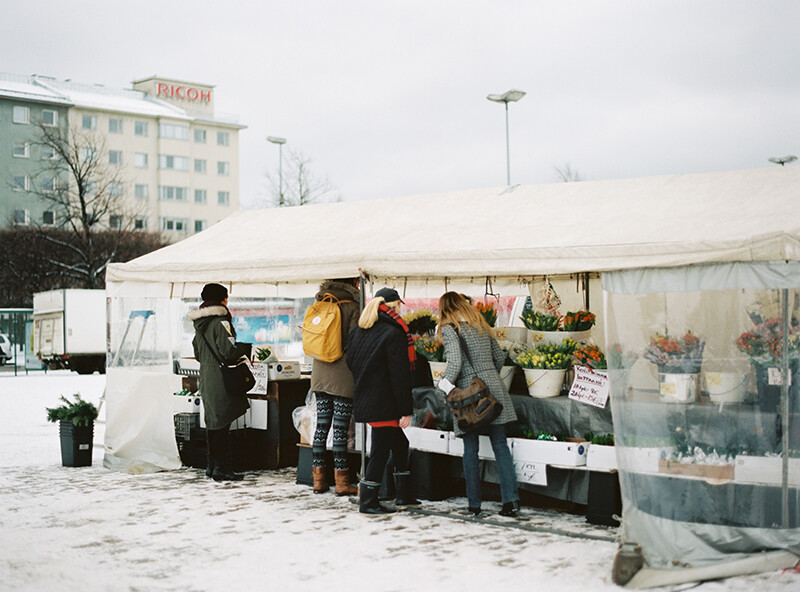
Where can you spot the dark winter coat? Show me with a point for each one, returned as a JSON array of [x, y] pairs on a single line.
[[378, 358], [335, 377], [487, 356], [220, 407]]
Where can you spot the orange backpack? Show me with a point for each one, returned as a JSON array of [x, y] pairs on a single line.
[[322, 329]]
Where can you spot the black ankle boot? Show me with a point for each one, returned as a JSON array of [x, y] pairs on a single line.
[[211, 463], [403, 498], [368, 499], [510, 509], [474, 511]]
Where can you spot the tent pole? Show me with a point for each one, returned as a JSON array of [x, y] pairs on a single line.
[[362, 290], [785, 410]]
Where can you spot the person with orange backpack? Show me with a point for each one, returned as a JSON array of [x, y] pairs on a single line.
[[326, 326]]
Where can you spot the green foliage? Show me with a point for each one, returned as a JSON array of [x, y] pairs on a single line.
[[539, 321], [600, 439], [79, 412], [263, 353]]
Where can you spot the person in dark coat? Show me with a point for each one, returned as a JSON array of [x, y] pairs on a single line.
[[213, 327], [460, 326], [332, 384], [380, 354]]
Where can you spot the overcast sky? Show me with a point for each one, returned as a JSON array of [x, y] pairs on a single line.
[[389, 98]]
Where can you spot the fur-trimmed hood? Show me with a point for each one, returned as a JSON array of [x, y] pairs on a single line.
[[208, 311]]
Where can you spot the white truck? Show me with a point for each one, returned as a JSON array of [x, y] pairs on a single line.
[[69, 329]]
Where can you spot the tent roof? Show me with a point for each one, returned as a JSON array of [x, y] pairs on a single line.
[[664, 221]]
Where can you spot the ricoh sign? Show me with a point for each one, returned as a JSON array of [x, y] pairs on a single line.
[[183, 92]]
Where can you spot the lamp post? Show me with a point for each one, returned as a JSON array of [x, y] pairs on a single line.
[[782, 160], [507, 97], [280, 142]]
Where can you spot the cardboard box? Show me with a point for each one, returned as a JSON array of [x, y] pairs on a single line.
[[765, 469], [284, 371], [571, 454], [185, 404], [427, 440], [721, 472], [601, 457]]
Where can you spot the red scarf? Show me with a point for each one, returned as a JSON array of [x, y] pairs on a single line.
[[412, 353]]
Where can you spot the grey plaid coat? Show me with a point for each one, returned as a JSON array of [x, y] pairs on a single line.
[[488, 358]]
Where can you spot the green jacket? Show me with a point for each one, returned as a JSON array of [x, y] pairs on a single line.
[[220, 407]]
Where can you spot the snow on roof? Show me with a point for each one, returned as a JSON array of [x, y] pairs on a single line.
[[22, 87]]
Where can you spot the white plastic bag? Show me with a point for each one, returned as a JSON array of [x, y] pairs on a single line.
[[305, 418]]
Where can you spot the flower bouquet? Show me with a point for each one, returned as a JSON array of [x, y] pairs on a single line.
[[590, 356], [619, 359], [583, 320], [420, 322], [672, 355], [430, 348], [488, 312], [545, 367], [764, 343], [540, 321]]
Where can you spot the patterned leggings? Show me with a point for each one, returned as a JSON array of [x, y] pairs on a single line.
[[335, 410]]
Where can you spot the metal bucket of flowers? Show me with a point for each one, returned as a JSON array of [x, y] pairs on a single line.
[[678, 360]]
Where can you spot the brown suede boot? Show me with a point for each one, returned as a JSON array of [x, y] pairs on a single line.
[[320, 483], [343, 486]]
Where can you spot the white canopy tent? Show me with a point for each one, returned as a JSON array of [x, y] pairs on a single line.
[[656, 235]]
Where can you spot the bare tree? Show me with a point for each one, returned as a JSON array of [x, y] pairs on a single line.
[[86, 194], [567, 174], [296, 184]]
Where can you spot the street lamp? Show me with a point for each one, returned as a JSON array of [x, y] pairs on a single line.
[[280, 142], [507, 97], [782, 160]]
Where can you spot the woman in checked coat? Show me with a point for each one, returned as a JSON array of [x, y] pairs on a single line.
[[459, 317]]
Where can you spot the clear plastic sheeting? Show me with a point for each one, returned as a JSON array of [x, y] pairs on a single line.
[[705, 384]]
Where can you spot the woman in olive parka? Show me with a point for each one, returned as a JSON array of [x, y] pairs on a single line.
[[213, 327]]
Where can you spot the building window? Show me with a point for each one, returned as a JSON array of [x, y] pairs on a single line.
[[115, 157], [21, 217], [140, 191], [114, 125], [170, 193], [199, 225], [49, 118], [89, 122], [21, 115], [199, 166], [200, 136], [171, 131], [140, 128], [140, 160], [223, 139], [20, 183], [173, 163], [90, 189], [140, 223], [48, 218], [224, 198], [115, 189], [115, 222], [223, 168], [21, 150], [88, 154], [174, 224], [200, 196], [48, 152], [49, 184]]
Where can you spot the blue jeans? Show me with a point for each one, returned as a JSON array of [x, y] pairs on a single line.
[[505, 466]]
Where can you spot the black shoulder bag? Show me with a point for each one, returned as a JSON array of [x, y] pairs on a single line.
[[473, 407], [237, 377]]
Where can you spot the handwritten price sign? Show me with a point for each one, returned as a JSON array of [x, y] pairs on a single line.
[[590, 386]]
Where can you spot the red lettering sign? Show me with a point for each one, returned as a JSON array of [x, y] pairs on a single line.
[[186, 93]]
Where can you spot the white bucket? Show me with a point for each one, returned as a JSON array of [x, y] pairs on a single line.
[[678, 388], [726, 387], [437, 371], [556, 337], [516, 334], [543, 384], [507, 375]]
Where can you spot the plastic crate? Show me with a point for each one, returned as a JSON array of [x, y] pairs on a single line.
[[184, 423]]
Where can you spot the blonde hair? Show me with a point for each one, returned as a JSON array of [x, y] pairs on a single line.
[[370, 313], [455, 308]]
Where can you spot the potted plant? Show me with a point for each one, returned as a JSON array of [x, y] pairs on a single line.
[[547, 327], [76, 428], [763, 345], [545, 367], [678, 360], [432, 350]]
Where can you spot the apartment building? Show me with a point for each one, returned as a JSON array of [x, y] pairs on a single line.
[[177, 162]]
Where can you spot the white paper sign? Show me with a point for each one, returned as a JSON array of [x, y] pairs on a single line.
[[589, 386], [531, 472], [260, 374]]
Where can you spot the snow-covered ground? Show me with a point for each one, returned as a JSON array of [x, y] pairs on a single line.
[[91, 529]]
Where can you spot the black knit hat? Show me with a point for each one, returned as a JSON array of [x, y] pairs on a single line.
[[388, 295], [214, 293]]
